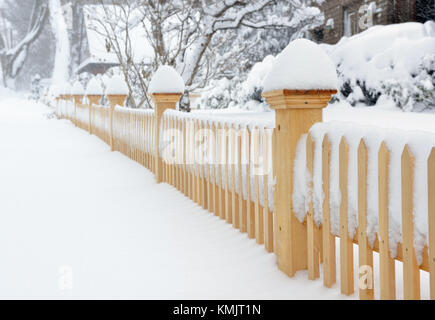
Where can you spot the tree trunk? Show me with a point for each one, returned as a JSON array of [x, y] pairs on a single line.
[[62, 58]]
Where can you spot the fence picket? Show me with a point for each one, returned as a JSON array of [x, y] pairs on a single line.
[[220, 166], [387, 264], [411, 270], [329, 263], [365, 252], [258, 213], [250, 212], [242, 218], [228, 214], [234, 199], [214, 164], [346, 243], [243, 205], [313, 251], [267, 215]]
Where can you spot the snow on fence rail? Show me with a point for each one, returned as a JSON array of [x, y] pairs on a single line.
[[365, 186]]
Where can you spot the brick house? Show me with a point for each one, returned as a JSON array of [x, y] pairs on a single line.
[[349, 17]]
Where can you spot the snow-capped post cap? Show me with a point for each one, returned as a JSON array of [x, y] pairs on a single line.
[[94, 88], [166, 88], [116, 91], [65, 90], [166, 80], [77, 89], [302, 76], [117, 86]]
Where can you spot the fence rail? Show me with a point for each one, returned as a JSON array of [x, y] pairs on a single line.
[[228, 166]]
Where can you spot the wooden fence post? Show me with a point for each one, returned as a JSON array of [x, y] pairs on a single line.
[[162, 102], [431, 218], [295, 111]]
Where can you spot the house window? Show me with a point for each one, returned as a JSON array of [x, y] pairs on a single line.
[[349, 23]]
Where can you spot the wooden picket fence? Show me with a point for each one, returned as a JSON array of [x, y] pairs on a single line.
[[321, 241], [224, 168], [228, 168]]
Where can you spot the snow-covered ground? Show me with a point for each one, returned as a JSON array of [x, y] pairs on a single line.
[[77, 221]]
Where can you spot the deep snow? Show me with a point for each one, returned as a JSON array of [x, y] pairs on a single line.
[[69, 204]]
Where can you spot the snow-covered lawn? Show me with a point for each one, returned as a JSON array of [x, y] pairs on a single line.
[[77, 221], [70, 205]]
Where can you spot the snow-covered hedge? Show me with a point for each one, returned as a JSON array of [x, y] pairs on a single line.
[[397, 61], [394, 61], [242, 93]]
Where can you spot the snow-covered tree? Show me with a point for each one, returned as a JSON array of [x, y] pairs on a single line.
[[20, 26], [202, 39], [62, 57]]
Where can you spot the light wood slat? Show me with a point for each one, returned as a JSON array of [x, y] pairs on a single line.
[[411, 270], [365, 252], [329, 263], [387, 264]]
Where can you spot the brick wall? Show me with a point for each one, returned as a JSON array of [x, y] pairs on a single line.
[[387, 12]]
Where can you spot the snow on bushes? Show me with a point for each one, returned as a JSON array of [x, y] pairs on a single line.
[[221, 94], [420, 144], [397, 61], [166, 80], [236, 93], [302, 65], [252, 88]]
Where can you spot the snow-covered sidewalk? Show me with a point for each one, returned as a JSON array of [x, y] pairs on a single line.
[[77, 221]]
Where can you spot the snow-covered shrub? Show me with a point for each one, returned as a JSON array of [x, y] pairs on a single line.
[[239, 92], [395, 61], [36, 87], [417, 93], [220, 94], [252, 88]]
